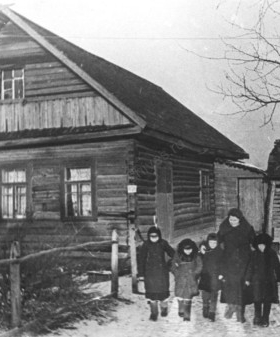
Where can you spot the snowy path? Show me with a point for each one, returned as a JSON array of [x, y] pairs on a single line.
[[131, 320]]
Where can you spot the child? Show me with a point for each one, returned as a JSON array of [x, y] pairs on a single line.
[[209, 282], [153, 267], [186, 266], [264, 272]]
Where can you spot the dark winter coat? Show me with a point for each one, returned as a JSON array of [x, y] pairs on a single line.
[[264, 272], [154, 268], [186, 270], [211, 261], [236, 257]]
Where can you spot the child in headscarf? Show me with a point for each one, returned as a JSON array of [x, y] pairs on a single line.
[[154, 269], [264, 273], [186, 266], [209, 282]]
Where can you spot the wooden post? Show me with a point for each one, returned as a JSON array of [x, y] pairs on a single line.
[[15, 285], [271, 194], [114, 264], [133, 257]]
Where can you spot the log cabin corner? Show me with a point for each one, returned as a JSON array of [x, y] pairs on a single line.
[[87, 147]]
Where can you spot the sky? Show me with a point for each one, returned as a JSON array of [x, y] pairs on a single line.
[[159, 40]]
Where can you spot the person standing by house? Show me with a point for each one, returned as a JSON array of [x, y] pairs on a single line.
[[186, 267], [209, 282], [154, 270], [264, 273], [236, 236]]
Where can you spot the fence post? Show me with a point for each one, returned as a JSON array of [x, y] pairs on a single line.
[[15, 285], [133, 256], [115, 264]]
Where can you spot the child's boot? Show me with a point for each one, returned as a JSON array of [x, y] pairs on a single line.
[[205, 310], [258, 313], [164, 308], [212, 316], [181, 308], [154, 310], [240, 310], [187, 310], [266, 312], [229, 310]]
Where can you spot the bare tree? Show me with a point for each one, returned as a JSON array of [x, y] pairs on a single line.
[[253, 57]]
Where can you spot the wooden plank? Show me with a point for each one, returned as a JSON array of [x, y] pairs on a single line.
[[114, 264], [64, 138]]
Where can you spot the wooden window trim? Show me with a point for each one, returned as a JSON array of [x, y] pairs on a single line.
[[13, 99], [28, 169], [79, 163], [202, 206]]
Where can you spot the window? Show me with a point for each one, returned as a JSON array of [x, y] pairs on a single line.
[[13, 193], [205, 198], [12, 84], [78, 192]]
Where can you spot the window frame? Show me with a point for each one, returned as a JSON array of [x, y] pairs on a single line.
[[27, 184], [13, 80], [205, 207], [79, 164]]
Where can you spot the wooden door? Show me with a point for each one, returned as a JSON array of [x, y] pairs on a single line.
[[251, 200], [164, 199]]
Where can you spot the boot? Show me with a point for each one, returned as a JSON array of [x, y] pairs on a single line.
[[258, 313], [240, 310], [180, 308], [212, 316], [154, 310], [205, 310], [187, 310], [164, 308], [229, 311], [266, 312]]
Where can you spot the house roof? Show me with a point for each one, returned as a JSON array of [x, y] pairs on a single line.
[[159, 111], [244, 166]]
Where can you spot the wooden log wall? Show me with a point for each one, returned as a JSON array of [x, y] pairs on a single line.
[[189, 220], [46, 228], [226, 188]]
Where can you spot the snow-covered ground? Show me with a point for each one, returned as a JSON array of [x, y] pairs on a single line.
[[130, 319]]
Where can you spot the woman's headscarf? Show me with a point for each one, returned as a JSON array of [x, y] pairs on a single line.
[[154, 230], [236, 213]]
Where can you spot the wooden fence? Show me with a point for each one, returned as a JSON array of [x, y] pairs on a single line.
[[15, 260]]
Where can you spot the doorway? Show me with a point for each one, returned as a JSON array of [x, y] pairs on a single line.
[[251, 200]]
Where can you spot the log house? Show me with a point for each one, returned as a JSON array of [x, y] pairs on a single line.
[[87, 147]]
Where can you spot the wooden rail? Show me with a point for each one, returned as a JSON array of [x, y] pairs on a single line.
[[15, 260]]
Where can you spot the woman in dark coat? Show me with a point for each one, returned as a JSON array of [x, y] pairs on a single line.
[[154, 269], [264, 273], [209, 282], [186, 267], [236, 236]]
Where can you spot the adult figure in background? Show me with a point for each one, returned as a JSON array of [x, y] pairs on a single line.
[[236, 236]]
